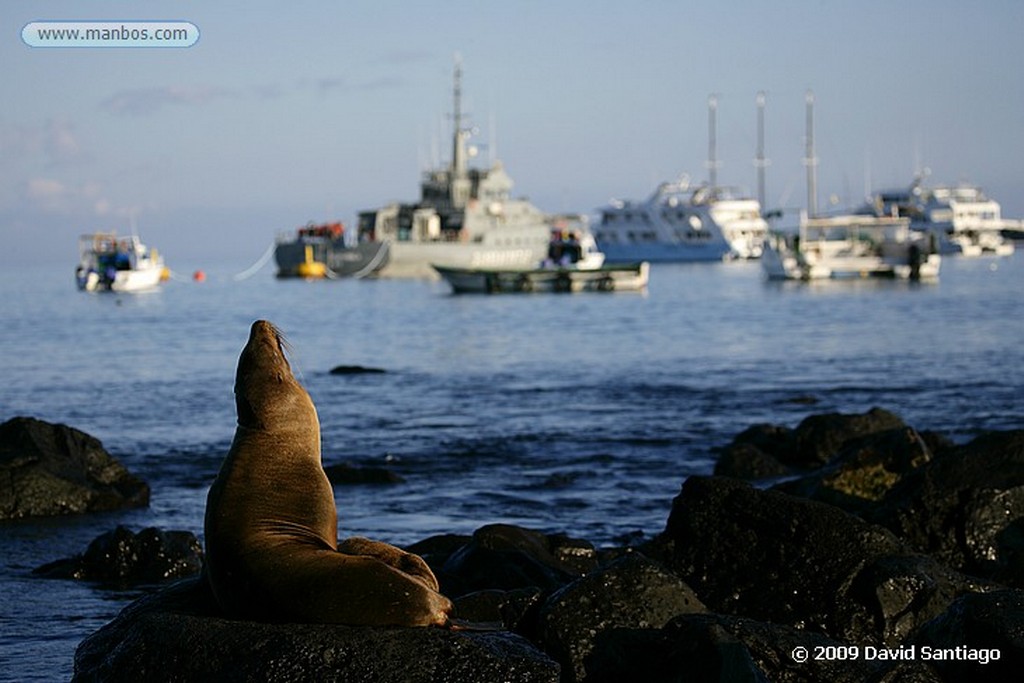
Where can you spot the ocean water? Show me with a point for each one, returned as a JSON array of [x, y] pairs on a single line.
[[580, 414]]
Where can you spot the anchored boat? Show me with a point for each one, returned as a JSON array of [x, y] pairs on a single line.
[[317, 251], [573, 264], [465, 218], [851, 246], [963, 219], [117, 264]]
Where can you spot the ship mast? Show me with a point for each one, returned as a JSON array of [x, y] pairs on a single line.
[[460, 185], [712, 143], [811, 161], [760, 162]]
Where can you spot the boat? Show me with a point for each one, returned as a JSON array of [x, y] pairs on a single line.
[[844, 246], [608, 278], [321, 250], [573, 264], [851, 246], [465, 217], [117, 264], [963, 219], [679, 222]]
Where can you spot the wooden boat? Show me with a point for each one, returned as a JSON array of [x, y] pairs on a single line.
[[606, 278]]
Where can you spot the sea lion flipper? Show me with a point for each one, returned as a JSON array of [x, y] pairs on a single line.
[[406, 562]]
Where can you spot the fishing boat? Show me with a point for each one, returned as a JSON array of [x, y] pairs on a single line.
[[851, 246], [679, 222], [963, 219], [117, 264], [321, 250], [465, 217]]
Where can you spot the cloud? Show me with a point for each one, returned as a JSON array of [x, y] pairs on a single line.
[[145, 101], [53, 196], [55, 142]]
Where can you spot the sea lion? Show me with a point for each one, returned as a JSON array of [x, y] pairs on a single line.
[[271, 524]]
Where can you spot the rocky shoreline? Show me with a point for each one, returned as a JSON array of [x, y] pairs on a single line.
[[848, 548]]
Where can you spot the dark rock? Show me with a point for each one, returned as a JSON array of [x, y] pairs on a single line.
[[355, 370], [864, 471], [123, 558], [975, 626], [818, 438], [506, 557], [436, 550], [747, 461], [514, 610], [53, 469], [350, 474], [766, 450], [775, 557], [634, 592], [174, 635], [711, 648], [966, 507]]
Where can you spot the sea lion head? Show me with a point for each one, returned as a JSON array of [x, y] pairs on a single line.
[[267, 395]]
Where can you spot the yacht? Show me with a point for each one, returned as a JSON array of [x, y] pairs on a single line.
[[961, 217], [680, 223]]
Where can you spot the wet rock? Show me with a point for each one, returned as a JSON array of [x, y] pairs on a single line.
[[744, 460], [345, 474], [775, 557], [355, 370], [865, 470], [506, 557], [709, 648], [976, 628], [966, 507], [53, 469], [514, 610], [174, 635], [818, 438], [766, 450], [122, 557], [633, 592]]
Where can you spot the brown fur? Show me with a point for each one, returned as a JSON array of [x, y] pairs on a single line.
[[271, 524]]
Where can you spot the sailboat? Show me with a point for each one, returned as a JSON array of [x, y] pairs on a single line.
[[845, 246]]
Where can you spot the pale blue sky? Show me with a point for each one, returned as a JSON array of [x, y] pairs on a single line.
[[284, 113]]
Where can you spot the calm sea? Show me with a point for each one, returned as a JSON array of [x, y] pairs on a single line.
[[581, 414]]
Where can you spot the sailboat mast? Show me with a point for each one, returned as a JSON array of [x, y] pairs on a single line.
[[712, 142], [810, 160], [458, 156], [760, 161]]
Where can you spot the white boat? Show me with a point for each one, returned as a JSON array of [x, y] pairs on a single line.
[[678, 223], [707, 222], [117, 264], [465, 217], [962, 218], [851, 246]]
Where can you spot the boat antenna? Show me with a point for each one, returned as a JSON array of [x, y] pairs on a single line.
[[712, 162], [811, 161], [760, 162]]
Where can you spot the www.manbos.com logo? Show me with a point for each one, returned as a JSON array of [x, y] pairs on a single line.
[[110, 34]]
